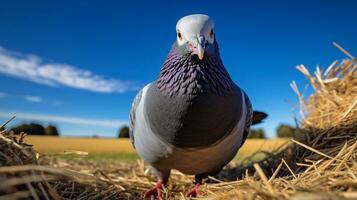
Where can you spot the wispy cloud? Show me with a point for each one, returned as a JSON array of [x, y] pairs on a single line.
[[34, 99], [65, 119], [33, 68], [29, 98], [2, 94]]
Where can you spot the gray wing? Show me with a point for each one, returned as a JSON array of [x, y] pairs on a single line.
[[144, 140], [134, 105], [248, 118]]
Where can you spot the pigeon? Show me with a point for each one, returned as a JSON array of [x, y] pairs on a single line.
[[193, 117]]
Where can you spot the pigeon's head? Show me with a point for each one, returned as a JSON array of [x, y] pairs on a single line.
[[193, 64], [195, 35]]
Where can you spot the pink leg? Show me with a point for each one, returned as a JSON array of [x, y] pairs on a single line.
[[155, 191], [195, 191]]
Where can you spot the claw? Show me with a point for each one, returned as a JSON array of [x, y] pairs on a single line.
[[195, 191], [154, 191]]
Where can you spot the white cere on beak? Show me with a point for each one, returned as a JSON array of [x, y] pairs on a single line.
[[196, 30], [200, 46]]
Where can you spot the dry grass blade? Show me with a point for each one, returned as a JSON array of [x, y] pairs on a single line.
[[48, 169], [350, 109], [311, 149], [8, 121], [264, 178], [16, 195], [276, 171], [25, 179], [343, 50]]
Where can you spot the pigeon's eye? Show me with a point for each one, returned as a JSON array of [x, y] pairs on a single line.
[[179, 35], [211, 34]]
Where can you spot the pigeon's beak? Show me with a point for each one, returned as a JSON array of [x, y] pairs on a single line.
[[200, 51], [199, 47]]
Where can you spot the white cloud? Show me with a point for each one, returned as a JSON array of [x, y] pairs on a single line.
[[34, 99], [64, 119], [29, 98], [33, 68], [2, 94]]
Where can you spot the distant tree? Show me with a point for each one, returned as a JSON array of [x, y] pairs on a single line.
[[20, 128], [256, 133], [30, 129], [51, 130], [124, 132], [285, 130]]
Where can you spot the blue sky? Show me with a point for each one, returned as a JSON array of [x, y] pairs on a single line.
[[78, 64]]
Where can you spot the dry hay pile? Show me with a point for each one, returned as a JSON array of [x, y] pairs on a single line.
[[320, 163], [23, 177]]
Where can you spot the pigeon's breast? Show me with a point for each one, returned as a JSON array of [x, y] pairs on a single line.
[[204, 160], [192, 121]]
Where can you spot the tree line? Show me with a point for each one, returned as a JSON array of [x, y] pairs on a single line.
[[35, 129], [282, 131]]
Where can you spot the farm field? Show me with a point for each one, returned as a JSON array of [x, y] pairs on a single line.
[[121, 149]]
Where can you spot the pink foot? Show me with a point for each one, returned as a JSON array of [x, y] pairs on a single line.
[[155, 191], [195, 191]]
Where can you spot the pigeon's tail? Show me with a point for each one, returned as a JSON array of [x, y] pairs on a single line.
[[258, 117]]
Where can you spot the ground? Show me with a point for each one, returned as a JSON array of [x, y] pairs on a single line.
[[121, 149], [117, 170]]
